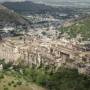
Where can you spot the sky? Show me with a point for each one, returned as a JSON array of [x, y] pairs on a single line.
[[11, 0], [50, 0]]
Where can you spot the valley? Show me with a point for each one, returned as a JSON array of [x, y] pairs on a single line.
[[44, 46]]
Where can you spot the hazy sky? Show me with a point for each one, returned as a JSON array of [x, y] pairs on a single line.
[[51, 0]]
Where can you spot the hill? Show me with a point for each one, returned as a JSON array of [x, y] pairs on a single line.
[[77, 29], [19, 78], [10, 17]]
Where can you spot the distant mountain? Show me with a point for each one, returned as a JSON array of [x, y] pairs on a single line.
[[79, 4], [29, 7]]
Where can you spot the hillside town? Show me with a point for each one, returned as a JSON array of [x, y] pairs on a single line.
[[34, 50]]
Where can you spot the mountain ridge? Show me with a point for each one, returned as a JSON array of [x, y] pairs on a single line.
[[29, 7], [9, 16]]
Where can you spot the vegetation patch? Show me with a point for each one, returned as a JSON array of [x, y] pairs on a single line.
[[80, 27], [19, 78]]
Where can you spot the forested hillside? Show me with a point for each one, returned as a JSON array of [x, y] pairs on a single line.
[[80, 27]]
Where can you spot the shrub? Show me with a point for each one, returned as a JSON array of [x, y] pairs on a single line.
[[9, 84], [19, 83], [14, 85], [1, 75], [12, 82], [6, 88]]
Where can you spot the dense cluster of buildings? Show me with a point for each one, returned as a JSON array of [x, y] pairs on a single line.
[[53, 53]]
